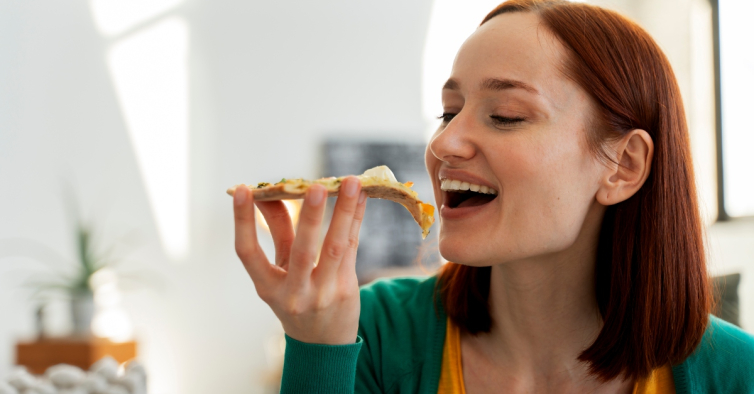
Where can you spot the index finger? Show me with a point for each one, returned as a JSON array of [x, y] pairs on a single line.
[[247, 245]]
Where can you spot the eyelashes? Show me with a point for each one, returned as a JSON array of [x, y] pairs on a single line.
[[506, 121], [446, 117]]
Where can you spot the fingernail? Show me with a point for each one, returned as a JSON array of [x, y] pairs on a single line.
[[315, 195], [239, 197], [362, 197], [351, 187]]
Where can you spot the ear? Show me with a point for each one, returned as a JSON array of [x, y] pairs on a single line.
[[633, 153]]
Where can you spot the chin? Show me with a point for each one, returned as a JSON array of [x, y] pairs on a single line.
[[458, 250]]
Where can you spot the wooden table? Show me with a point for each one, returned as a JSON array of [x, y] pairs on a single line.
[[82, 352]]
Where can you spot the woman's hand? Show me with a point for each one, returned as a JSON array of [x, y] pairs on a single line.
[[315, 295]]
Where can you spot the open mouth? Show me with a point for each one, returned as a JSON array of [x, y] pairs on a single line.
[[462, 194], [462, 199]]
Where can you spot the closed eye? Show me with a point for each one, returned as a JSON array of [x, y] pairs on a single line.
[[506, 121], [446, 117]]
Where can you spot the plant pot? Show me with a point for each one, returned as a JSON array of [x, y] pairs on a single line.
[[82, 311]]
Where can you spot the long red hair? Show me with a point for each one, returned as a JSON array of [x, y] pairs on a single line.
[[650, 276]]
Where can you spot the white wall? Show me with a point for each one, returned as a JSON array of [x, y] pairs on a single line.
[[268, 80]]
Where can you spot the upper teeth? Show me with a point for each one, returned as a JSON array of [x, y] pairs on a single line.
[[452, 184]]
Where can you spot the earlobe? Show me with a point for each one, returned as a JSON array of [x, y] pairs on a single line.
[[633, 162]]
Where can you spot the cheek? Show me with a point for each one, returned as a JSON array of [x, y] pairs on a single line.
[[547, 188], [549, 166], [526, 169]]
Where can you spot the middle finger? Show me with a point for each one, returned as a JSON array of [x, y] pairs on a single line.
[[279, 220], [306, 242]]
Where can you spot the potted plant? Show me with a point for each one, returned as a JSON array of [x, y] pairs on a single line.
[[71, 279], [75, 285]]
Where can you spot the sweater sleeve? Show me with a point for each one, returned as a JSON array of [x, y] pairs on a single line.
[[398, 347], [314, 368]]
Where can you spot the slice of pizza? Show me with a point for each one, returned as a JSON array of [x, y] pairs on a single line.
[[377, 182]]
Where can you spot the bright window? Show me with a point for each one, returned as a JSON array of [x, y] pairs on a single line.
[[737, 85], [148, 62]]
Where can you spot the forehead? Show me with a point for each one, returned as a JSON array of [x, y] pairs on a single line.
[[514, 46]]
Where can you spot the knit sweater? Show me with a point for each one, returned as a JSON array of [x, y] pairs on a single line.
[[400, 345]]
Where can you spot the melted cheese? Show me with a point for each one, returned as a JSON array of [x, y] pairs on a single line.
[[382, 173], [377, 176]]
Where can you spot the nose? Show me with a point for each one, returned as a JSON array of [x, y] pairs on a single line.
[[452, 144]]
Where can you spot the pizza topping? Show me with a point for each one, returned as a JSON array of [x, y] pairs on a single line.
[[381, 173], [378, 182]]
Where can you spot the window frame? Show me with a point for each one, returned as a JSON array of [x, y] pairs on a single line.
[[722, 213]]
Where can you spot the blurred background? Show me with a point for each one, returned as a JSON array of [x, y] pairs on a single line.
[[122, 123]]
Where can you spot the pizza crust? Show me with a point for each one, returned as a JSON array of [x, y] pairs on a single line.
[[374, 187]]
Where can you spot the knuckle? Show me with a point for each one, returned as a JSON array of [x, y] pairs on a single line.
[[342, 297], [241, 214], [335, 250], [264, 294], [321, 303], [353, 242], [310, 219], [241, 219], [294, 307], [244, 251], [345, 208]]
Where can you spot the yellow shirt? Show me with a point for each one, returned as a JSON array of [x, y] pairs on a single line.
[[660, 381]]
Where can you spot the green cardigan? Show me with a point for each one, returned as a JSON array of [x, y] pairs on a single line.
[[401, 337]]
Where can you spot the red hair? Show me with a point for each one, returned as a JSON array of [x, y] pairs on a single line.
[[650, 274]]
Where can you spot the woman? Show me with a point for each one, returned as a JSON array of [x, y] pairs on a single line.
[[585, 273]]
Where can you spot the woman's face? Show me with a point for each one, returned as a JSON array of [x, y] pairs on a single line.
[[515, 124]]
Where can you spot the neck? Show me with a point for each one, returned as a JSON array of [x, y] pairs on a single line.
[[545, 313]]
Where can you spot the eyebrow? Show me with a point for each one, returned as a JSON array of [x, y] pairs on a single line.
[[494, 84]]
